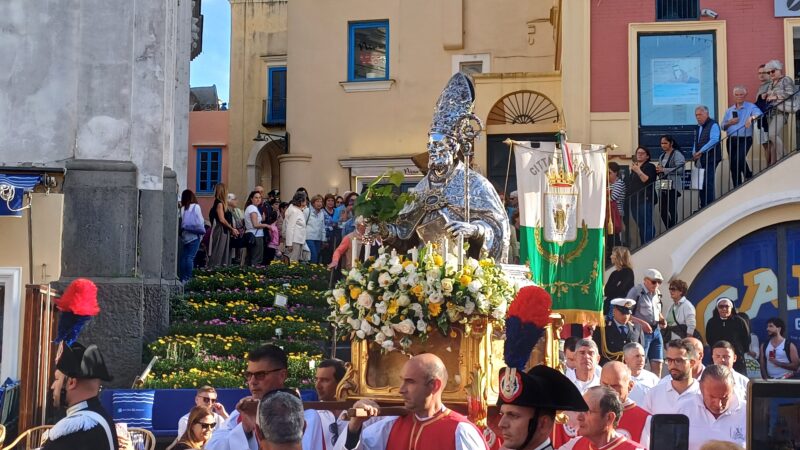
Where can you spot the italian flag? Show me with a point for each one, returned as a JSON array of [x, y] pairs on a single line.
[[562, 201]]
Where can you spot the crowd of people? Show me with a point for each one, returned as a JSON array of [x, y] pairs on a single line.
[[660, 181], [307, 228]]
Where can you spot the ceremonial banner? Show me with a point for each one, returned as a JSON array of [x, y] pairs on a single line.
[[562, 201]]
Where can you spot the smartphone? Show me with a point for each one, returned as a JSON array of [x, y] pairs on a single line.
[[769, 423], [669, 432], [772, 353], [735, 114]]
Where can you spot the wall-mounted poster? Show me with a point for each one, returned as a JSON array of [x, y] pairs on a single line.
[[787, 8], [676, 81]]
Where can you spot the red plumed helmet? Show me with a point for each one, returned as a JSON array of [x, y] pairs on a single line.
[[532, 305], [80, 298]]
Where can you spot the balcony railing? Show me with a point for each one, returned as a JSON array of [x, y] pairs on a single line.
[[670, 200]]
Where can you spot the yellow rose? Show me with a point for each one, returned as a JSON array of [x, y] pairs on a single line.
[[392, 308], [465, 279], [435, 309], [437, 259], [341, 301], [417, 290], [355, 292]]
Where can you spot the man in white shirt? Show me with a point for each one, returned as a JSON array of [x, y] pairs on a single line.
[[266, 372], [723, 354], [586, 373], [206, 396], [644, 380], [778, 360], [663, 397], [715, 413]]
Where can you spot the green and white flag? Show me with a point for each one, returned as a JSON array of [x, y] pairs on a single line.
[[562, 201]]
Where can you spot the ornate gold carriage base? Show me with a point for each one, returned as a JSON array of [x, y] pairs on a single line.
[[375, 374]]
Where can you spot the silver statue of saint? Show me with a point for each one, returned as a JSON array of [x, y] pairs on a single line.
[[438, 212]]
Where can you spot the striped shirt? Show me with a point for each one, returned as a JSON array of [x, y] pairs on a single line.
[[618, 195]]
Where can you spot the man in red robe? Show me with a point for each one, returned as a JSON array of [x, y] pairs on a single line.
[[635, 421], [597, 426], [528, 403], [429, 424]]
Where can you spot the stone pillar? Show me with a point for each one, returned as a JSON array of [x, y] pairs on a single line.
[[295, 172], [125, 240]]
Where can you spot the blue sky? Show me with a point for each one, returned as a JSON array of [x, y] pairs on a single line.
[[212, 66]]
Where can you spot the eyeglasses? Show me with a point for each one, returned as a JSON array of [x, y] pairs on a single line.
[[206, 426], [260, 375], [208, 399], [763, 73], [675, 360]]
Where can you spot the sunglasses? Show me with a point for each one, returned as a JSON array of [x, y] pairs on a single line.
[[772, 71], [260, 375], [674, 289], [206, 426], [208, 399]]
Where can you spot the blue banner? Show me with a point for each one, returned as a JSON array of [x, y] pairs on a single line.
[[12, 192]]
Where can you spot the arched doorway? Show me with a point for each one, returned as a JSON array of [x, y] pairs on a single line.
[[523, 115], [262, 166]]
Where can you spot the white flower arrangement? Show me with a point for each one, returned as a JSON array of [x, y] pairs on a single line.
[[391, 299]]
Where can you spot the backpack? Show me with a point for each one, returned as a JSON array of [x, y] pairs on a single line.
[[787, 346]]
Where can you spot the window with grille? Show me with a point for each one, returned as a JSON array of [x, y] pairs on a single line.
[[667, 10], [209, 169]]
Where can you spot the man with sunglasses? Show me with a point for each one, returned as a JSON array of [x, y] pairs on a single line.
[[647, 314], [266, 372], [206, 396], [726, 325]]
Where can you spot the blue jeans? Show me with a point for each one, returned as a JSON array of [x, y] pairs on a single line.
[[642, 213], [186, 261], [654, 345], [314, 247]]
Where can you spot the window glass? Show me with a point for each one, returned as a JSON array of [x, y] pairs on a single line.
[[677, 72], [471, 67], [209, 161], [369, 51]]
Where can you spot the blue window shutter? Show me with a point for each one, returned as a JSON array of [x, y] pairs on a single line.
[[209, 169], [276, 91]]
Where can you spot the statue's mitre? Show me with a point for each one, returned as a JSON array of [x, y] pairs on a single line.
[[455, 103]]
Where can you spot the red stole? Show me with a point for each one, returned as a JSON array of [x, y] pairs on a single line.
[[631, 424], [436, 433], [620, 443]]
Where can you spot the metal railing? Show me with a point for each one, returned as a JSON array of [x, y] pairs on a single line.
[[667, 201]]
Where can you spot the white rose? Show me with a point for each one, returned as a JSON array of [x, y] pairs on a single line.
[[447, 286], [376, 319], [411, 268], [403, 300], [338, 292], [380, 307], [379, 338], [366, 328], [469, 307], [388, 345], [475, 286], [360, 334], [498, 313], [365, 300], [421, 325], [436, 297], [387, 331], [405, 327], [417, 308], [384, 280], [388, 295], [345, 309], [479, 272], [483, 302], [394, 260], [354, 323], [472, 263], [433, 274], [396, 269]]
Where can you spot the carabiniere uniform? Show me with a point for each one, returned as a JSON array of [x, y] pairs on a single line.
[[87, 424]]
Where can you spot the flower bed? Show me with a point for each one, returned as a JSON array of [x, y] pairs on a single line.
[[225, 313]]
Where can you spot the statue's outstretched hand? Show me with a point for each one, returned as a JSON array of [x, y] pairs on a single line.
[[465, 229]]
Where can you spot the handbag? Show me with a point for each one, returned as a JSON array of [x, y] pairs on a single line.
[[616, 217], [245, 240], [192, 223], [698, 176]]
